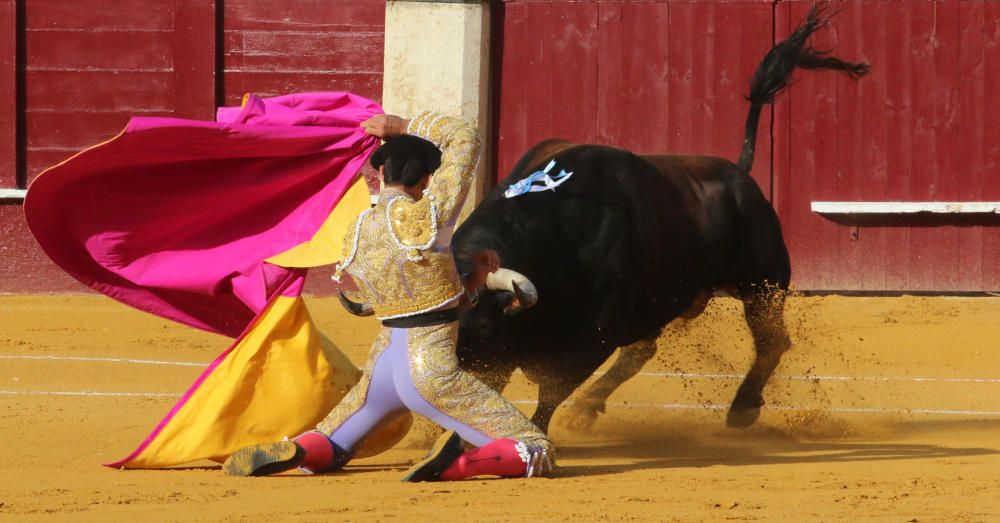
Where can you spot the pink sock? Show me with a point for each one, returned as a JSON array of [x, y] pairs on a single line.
[[319, 451], [497, 458]]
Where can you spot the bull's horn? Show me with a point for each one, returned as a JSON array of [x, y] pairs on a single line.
[[357, 309], [515, 282]]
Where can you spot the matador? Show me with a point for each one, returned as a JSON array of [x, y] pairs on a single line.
[[400, 260]]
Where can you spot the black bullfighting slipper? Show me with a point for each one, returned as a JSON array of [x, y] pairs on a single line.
[[264, 459], [446, 450]]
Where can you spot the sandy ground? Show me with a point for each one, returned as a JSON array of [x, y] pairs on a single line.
[[887, 409]]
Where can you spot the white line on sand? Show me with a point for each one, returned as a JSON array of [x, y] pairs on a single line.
[[109, 360], [87, 393], [856, 410], [818, 377], [643, 374], [630, 405]]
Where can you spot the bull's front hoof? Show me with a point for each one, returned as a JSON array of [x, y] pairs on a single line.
[[741, 418], [582, 415]]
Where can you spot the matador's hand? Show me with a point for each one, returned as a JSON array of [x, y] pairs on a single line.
[[385, 126], [484, 262]]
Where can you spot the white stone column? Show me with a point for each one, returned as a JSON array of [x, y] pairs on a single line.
[[437, 58]]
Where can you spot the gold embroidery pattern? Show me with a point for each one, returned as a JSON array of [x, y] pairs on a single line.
[[421, 235], [355, 398], [439, 380], [391, 280]]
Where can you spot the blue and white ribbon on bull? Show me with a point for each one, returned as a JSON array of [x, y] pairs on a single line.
[[538, 181]]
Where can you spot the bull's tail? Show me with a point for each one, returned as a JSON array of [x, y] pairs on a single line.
[[775, 71]]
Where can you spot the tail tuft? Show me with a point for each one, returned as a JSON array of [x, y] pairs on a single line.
[[775, 72]]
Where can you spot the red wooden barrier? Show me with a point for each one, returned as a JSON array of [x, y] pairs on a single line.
[[670, 75], [659, 75], [923, 126], [285, 46], [648, 76], [92, 64]]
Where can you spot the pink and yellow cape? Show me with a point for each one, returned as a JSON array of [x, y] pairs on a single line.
[[214, 224]]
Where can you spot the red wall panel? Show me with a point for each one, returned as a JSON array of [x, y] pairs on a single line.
[[90, 60], [92, 64], [921, 127], [287, 46], [647, 76], [670, 75]]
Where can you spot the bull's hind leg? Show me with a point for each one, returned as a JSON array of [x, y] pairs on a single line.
[[592, 402], [764, 311]]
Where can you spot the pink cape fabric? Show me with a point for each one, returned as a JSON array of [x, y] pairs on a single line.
[[176, 217]]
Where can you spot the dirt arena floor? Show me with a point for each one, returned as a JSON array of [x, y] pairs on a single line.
[[886, 409]]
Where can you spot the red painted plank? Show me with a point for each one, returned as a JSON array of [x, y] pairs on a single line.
[[292, 51], [193, 43], [991, 138], [680, 75], [968, 166], [124, 91], [73, 131], [550, 53], [870, 172], [88, 16], [306, 15], [63, 50], [950, 141], [852, 174], [809, 169], [922, 50], [742, 37], [574, 32], [8, 79], [899, 115], [512, 112]]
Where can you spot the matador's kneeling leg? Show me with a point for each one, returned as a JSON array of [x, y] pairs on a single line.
[[506, 458]]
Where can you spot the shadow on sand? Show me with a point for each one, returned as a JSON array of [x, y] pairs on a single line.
[[704, 446]]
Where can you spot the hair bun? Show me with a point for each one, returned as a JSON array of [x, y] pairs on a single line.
[[406, 159]]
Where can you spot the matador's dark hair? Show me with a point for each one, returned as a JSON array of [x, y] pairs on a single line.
[[407, 159]]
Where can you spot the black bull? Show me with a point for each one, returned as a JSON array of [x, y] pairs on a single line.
[[626, 245]]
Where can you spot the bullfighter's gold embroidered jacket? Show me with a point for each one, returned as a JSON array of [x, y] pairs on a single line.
[[399, 254]]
